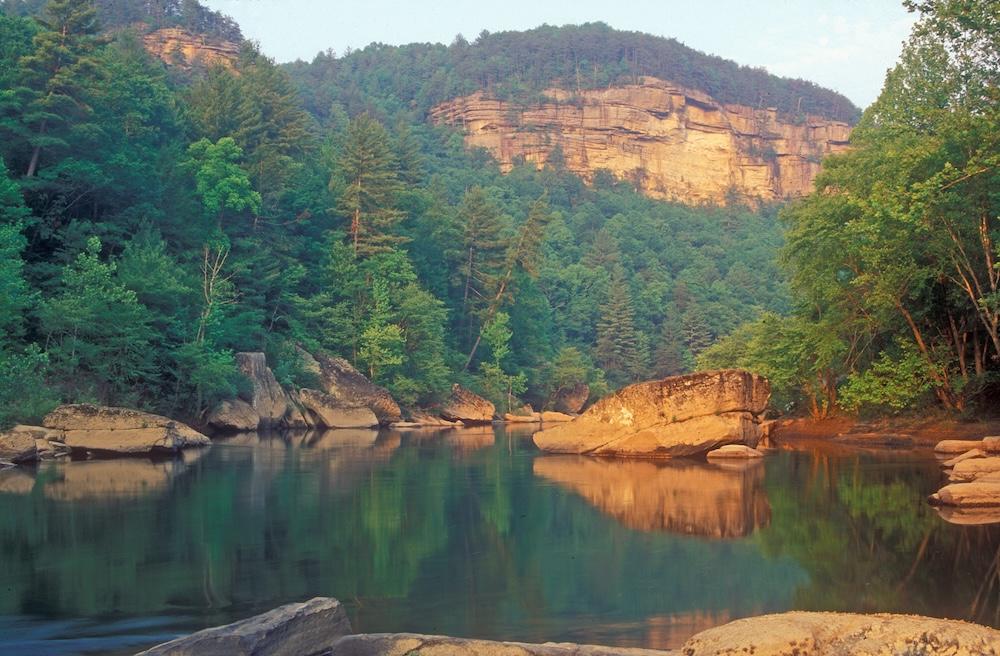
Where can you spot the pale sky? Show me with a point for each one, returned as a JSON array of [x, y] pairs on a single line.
[[846, 45]]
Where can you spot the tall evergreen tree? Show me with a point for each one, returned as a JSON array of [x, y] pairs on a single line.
[[618, 348], [367, 169], [482, 254]]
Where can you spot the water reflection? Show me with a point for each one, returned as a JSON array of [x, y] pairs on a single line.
[[686, 497], [475, 533]]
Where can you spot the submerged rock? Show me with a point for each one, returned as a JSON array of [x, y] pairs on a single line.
[[836, 634], [679, 416], [102, 429], [331, 413], [347, 385], [735, 452], [467, 407], [234, 415], [311, 627]]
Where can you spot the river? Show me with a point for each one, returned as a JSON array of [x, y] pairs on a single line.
[[474, 533]]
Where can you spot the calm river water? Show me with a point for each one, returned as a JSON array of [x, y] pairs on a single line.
[[473, 533]]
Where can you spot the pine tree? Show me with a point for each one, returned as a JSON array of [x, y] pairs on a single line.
[[618, 351], [482, 253], [54, 75], [368, 169]]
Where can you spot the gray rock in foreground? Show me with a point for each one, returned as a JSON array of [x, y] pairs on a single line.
[[307, 629]]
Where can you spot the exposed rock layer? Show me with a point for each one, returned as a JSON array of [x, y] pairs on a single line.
[[178, 47], [672, 143], [679, 416]]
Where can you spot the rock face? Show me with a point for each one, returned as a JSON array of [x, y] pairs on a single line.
[[679, 416], [235, 415], [18, 446], [570, 400], [347, 385], [685, 497], [671, 142], [309, 628], [178, 47], [331, 413], [467, 407], [123, 431], [269, 400], [836, 634]]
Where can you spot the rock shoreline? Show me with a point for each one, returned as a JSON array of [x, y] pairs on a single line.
[[320, 627]]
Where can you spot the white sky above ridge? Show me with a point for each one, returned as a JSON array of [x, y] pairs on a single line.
[[846, 45]]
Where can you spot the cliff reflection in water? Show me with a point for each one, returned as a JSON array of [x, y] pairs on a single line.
[[686, 497], [476, 533]]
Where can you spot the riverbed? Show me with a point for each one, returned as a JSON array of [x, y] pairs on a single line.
[[475, 533]]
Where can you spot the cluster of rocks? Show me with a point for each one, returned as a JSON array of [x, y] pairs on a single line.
[[320, 626], [972, 494], [345, 398], [92, 429], [680, 416]]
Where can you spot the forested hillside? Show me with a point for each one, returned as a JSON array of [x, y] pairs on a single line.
[[893, 260], [517, 66], [153, 224]]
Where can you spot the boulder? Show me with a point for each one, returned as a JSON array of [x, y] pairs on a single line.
[[268, 399], [298, 416], [19, 445], [734, 451], [678, 416], [991, 444], [467, 407], [330, 412], [968, 455], [101, 429], [550, 417], [234, 415], [957, 446], [571, 400], [424, 420], [300, 629], [412, 644], [969, 495], [973, 468], [834, 634], [347, 385], [533, 418]]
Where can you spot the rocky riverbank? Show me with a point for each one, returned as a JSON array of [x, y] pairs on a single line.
[[320, 626]]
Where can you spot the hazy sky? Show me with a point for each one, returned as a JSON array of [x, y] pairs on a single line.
[[846, 45]]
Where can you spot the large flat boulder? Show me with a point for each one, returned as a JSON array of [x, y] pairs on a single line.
[[306, 629], [268, 399], [233, 415], [103, 429], [972, 468], [957, 446], [330, 412], [844, 634], [678, 416], [346, 384], [467, 407], [976, 494]]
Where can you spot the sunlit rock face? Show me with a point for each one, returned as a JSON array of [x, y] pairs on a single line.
[[674, 417], [680, 497], [672, 143], [179, 47]]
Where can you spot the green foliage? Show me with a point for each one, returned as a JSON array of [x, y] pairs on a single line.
[[500, 386], [219, 180], [894, 382]]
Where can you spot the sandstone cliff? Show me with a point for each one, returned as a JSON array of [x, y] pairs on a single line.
[[672, 143], [179, 47]]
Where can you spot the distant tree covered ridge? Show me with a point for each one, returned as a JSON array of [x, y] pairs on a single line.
[[188, 14], [519, 65], [153, 224]]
